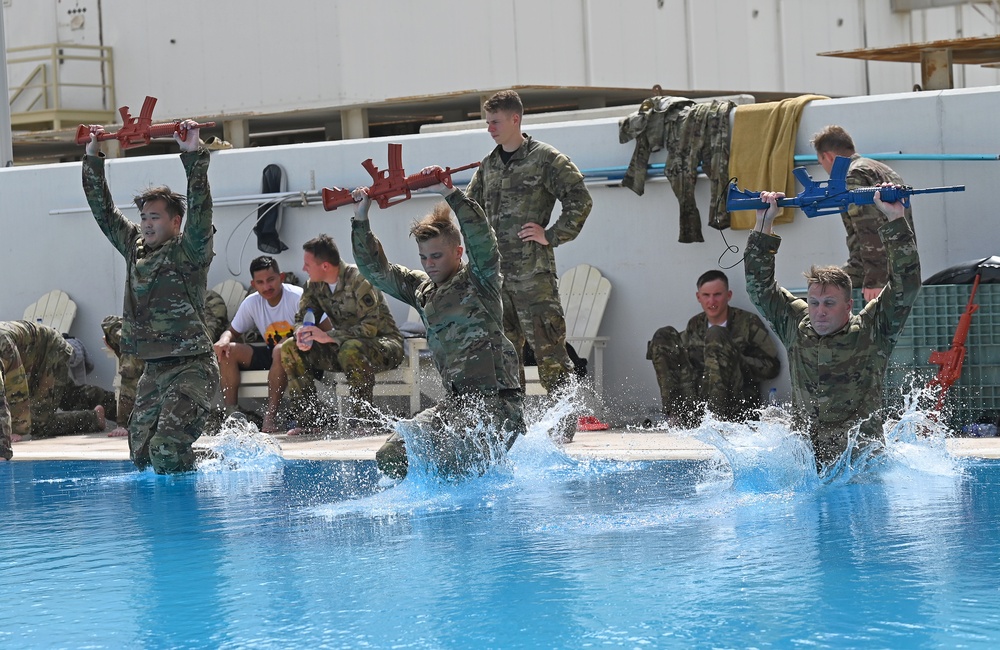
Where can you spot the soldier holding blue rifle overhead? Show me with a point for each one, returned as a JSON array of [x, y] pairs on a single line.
[[836, 360]]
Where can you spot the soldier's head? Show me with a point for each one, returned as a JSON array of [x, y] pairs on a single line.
[[503, 112], [829, 298], [714, 295], [831, 142], [321, 259], [266, 279], [161, 212], [439, 243]]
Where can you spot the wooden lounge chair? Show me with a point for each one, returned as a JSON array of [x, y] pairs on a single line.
[[233, 292], [54, 309], [584, 293]]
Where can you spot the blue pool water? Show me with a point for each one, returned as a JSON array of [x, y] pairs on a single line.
[[547, 552]]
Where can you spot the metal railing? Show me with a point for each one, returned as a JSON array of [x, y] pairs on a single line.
[[42, 94]]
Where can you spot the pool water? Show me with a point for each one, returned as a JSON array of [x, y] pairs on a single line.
[[545, 552]]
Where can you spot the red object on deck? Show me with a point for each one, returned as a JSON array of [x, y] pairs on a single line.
[[590, 423], [952, 359]]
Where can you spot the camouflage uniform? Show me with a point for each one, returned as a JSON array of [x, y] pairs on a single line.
[[216, 315], [722, 366], [693, 135], [130, 367], [15, 404], [163, 321], [478, 364], [36, 361], [525, 190], [366, 341], [647, 126], [837, 378], [867, 263]]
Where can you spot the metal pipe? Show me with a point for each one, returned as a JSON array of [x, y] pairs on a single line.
[[895, 155]]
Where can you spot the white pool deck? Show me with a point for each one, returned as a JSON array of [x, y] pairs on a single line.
[[618, 444]]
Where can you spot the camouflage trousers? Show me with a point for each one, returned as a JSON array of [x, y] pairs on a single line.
[[829, 440], [684, 386], [463, 435], [15, 405], [76, 410], [359, 359], [532, 311], [172, 403], [130, 369]]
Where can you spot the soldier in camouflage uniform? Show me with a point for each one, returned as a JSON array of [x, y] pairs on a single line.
[[37, 383], [15, 407], [462, 309], [719, 359], [867, 264], [130, 367], [358, 336], [836, 360], [517, 186], [164, 317]]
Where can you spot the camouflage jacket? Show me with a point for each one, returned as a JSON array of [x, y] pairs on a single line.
[[837, 379], [464, 315], [165, 286], [356, 309], [525, 189], [216, 315], [758, 353], [867, 263]]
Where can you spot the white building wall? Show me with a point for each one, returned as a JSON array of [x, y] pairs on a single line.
[[632, 239], [256, 56]]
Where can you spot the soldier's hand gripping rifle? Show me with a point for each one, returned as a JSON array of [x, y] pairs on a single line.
[[820, 198], [952, 359], [390, 186], [138, 131]]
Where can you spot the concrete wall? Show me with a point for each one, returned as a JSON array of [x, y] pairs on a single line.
[[254, 56], [632, 239]]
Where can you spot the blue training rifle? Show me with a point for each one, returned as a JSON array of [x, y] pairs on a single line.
[[820, 198]]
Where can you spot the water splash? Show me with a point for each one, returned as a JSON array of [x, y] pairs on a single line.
[[760, 465], [917, 441], [534, 463], [770, 455], [240, 445]]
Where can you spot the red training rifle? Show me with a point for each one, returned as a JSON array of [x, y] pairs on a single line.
[[951, 360], [388, 184], [137, 131]]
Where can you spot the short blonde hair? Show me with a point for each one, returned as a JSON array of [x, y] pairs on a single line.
[[437, 224]]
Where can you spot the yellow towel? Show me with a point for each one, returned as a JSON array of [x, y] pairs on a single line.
[[762, 151]]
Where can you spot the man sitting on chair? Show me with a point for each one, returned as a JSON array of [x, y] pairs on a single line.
[[358, 337], [271, 309]]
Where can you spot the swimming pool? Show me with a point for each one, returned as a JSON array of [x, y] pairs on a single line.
[[548, 552]]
